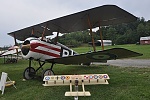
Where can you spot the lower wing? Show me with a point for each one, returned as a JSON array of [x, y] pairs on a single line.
[[99, 56]]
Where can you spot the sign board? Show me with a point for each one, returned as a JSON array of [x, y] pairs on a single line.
[[76, 80], [3, 81]]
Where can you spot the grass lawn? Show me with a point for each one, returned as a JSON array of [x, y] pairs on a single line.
[[125, 83], [144, 49]]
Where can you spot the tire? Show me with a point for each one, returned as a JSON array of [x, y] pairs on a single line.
[[29, 73], [8, 61], [48, 72]]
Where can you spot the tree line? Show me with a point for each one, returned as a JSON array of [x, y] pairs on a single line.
[[119, 34]]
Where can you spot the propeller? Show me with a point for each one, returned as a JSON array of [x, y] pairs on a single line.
[[25, 47]]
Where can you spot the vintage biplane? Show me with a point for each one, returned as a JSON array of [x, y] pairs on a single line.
[[37, 47], [11, 55]]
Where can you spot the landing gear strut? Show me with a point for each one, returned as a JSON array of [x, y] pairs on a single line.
[[48, 72], [30, 72]]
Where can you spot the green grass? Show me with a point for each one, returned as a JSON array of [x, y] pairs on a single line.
[[144, 49], [125, 83]]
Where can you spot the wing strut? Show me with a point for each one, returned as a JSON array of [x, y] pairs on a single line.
[[93, 44], [101, 37], [44, 32], [16, 44], [56, 39], [32, 31], [15, 39]]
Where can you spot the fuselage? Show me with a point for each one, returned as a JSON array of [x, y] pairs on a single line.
[[44, 49]]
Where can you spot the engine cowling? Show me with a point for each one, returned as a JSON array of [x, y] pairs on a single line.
[[27, 47]]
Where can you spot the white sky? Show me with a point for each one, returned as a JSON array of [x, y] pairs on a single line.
[[18, 14]]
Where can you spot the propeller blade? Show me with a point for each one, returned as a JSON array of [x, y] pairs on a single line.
[[26, 46]]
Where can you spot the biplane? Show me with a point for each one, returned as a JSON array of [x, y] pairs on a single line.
[[2, 51], [37, 47], [11, 55]]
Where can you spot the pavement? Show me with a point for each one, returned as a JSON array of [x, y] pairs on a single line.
[[129, 63]]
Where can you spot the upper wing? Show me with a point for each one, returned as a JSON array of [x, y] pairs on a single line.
[[99, 56], [103, 16]]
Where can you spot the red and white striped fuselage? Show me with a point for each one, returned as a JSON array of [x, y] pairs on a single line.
[[41, 50]]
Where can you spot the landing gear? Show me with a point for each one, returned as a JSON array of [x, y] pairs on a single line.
[[30, 72], [48, 72]]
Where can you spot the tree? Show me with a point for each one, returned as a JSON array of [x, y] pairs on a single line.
[[141, 30], [111, 34], [119, 34]]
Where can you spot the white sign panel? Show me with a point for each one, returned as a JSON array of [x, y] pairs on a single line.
[[3, 81]]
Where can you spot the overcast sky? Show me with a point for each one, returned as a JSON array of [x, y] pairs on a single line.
[[18, 14]]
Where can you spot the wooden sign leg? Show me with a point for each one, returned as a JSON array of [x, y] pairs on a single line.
[[76, 89]]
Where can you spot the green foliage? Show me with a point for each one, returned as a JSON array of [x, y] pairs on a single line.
[[119, 34], [75, 38]]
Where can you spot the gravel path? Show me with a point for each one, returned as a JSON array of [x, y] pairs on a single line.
[[129, 62]]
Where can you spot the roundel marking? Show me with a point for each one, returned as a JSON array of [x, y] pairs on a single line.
[[104, 56], [105, 76], [47, 78], [95, 76], [67, 77], [90, 77], [86, 77], [62, 77], [100, 76]]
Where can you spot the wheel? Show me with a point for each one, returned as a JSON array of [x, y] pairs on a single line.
[[29, 73], [8, 60], [13, 60], [48, 72]]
